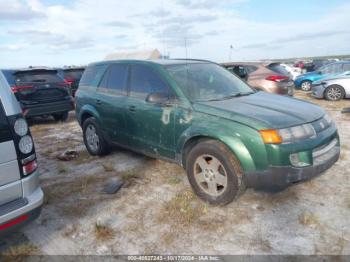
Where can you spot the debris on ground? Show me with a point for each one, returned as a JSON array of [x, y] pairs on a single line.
[[113, 186], [68, 155]]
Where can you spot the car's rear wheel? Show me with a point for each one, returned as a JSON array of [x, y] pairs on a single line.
[[214, 172], [334, 93], [93, 138], [306, 85], [61, 116]]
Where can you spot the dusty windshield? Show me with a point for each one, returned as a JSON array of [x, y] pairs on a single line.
[[207, 82]]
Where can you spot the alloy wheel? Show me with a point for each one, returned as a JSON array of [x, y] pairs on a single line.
[[306, 86], [210, 175], [334, 93], [92, 138]]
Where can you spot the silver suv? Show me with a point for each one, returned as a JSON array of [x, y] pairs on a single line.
[[21, 197]]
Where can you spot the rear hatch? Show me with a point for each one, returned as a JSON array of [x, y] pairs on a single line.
[[10, 183], [283, 77], [39, 86]]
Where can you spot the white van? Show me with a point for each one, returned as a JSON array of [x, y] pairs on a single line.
[[21, 197]]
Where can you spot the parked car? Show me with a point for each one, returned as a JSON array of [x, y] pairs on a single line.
[[333, 89], [21, 197], [41, 92], [304, 82], [197, 114], [271, 78], [293, 71], [316, 64], [300, 64], [72, 77]]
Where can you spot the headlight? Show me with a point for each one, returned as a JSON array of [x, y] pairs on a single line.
[[288, 135], [328, 119], [21, 127], [25, 144]]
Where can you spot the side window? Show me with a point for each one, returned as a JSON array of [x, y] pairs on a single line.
[[117, 78], [5, 133], [346, 67], [92, 75], [250, 69], [145, 81]]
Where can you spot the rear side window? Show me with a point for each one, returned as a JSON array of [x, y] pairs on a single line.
[[277, 68], [250, 69], [145, 81], [115, 78], [37, 77], [5, 133], [10, 78], [92, 75]]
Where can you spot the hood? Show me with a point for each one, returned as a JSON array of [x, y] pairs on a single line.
[[263, 110]]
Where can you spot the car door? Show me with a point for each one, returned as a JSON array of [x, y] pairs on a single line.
[[10, 183], [110, 99], [150, 127]]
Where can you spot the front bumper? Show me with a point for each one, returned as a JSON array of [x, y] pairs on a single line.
[[318, 91], [47, 108], [280, 177]]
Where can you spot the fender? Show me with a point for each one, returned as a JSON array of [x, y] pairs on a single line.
[[231, 137], [87, 108]]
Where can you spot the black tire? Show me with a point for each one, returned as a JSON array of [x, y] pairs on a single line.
[[234, 173], [61, 116], [334, 93], [306, 85], [102, 147]]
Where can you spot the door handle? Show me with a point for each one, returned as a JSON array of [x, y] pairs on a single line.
[[98, 102], [132, 108]]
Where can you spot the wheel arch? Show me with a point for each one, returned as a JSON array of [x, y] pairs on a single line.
[[337, 85], [86, 112]]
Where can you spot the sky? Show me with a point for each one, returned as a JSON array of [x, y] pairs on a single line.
[[77, 32]]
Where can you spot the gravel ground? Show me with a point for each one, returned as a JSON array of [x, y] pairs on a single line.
[[156, 211]]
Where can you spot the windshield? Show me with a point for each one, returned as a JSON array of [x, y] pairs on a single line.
[[36, 76], [207, 82]]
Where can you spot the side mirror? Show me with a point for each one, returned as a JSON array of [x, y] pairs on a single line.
[[157, 98]]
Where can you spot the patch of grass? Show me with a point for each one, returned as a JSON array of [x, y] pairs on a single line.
[[103, 232], [108, 167], [182, 209], [130, 175], [19, 252], [62, 168], [308, 219], [174, 180]]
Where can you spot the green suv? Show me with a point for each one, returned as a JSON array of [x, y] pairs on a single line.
[[197, 114]]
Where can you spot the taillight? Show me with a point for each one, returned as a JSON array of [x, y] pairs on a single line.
[[16, 89], [69, 81], [30, 167], [276, 78]]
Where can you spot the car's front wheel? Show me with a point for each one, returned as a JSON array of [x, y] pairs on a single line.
[[214, 172], [93, 138], [334, 93], [306, 85]]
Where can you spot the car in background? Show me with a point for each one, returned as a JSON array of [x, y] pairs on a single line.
[[199, 115], [21, 197], [72, 76], [300, 64], [304, 82], [40, 92], [332, 89], [293, 71], [270, 77]]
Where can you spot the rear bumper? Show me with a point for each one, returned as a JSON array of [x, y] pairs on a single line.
[[278, 178], [22, 211], [48, 108]]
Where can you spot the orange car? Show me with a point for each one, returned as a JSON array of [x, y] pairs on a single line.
[[271, 78]]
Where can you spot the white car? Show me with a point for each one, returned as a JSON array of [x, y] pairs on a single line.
[[293, 71]]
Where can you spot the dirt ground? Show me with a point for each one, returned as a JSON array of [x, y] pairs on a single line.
[[156, 212]]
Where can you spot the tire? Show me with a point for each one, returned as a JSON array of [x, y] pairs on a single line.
[[334, 93], [61, 116], [219, 161], [306, 86], [94, 141]]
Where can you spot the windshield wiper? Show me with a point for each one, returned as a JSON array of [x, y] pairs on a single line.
[[232, 96]]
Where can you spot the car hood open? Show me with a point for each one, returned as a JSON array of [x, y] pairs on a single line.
[[263, 110]]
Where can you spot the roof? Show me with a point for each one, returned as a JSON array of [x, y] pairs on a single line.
[[241, 63], [158, 61]]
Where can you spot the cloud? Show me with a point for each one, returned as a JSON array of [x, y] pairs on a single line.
[[206, 4], [14, 10], [119, 24]]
